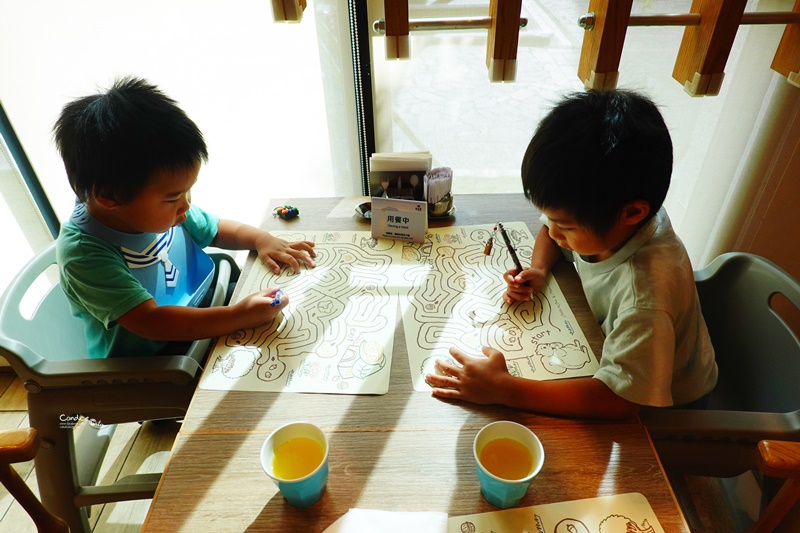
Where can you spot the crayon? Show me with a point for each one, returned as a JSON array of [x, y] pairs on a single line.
[[276, 299]]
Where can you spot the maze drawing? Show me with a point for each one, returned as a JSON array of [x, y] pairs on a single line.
[[336, 334], [453, 297]]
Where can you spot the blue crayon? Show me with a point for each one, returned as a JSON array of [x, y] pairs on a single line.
[[276, 299]]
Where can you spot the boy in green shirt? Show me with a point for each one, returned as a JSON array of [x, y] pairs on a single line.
[[130, 258]]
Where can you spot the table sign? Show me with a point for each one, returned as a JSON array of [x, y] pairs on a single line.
[[405, 220]]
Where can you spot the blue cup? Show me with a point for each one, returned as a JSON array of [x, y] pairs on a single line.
[[505, 493], [306, 490]]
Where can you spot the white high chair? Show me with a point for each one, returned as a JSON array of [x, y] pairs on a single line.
[[48, 352]]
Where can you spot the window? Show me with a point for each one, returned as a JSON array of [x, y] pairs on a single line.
[[440, 100], [276, 101], [253, 86], [272, 99], [24, 231]]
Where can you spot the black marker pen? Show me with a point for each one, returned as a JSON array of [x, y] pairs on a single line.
[[511, 250]]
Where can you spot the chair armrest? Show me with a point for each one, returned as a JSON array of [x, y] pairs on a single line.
[[221, 286], [39, 373], [176, 369], [709, 425], [18, 445], [779, 459]]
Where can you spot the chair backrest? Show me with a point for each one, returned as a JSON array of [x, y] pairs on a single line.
[[50, 331], [758, 354]]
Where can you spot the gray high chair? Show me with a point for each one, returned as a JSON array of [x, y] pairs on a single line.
[[753, 418], [48, 352]]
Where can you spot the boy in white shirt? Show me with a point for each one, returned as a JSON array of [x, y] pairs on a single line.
[[598, 168]]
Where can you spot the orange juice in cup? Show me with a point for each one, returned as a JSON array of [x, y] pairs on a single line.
[[297, 457], [506, 458]]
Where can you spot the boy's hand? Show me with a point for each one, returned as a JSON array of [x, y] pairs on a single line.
[[273, 250], [523, 285], [478, 380], [260, 308]]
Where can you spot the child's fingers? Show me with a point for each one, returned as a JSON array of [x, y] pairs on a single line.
[[290, 256], [488, 351], [305, 246], [460, 356], [523, 277], [512, 296], [304, 255], [509, 276], [272, 260], [290, 260], [446, 368], [270, 264], [443, 392], [436, 380], [518, 282]]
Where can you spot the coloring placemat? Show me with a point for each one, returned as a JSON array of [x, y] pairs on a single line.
[[453, 296], [337, 332], [621, 513]]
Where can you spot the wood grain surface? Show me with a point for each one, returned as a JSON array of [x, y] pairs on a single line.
[[404, 450]]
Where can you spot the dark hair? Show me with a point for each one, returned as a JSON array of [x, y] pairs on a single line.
[[594, 153], [114, 142]]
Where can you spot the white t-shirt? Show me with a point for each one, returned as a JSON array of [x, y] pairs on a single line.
[[657, 349]]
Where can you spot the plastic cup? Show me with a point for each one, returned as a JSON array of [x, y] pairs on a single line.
[[308, 489], [505, 493]]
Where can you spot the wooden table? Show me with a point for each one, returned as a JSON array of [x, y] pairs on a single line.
[[402, 451]]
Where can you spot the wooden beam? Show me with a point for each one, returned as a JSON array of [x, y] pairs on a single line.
[[396, 20], [288, 10], [787, 59], [602, 45], [503, 39], [705, 48], [778, 459]]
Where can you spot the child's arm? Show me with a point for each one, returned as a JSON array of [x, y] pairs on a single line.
[[233, 235], [487, 381], [181, 323], [545, 253]]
